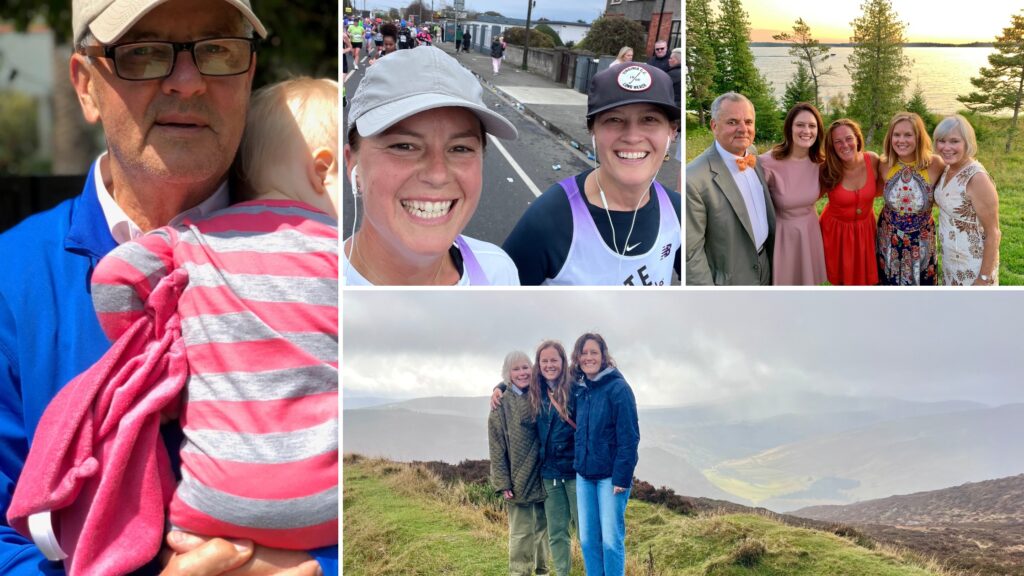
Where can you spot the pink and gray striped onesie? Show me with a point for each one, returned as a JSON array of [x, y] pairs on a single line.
[[259, 325]]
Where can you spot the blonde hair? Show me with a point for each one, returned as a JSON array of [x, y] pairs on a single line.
[[958, 123], [923, 150], [280, 115], [622, 53], [511, 359]]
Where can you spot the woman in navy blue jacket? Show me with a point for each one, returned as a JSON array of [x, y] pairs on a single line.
[[554, 405], [607, 436]]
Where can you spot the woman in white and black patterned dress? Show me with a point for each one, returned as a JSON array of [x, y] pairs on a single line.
[[968, 209]]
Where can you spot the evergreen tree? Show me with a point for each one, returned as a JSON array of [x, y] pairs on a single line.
[[877, 66], [919, 106], [736, 70], [1001, 87], [810, 52], [700, 58], [799, 89]]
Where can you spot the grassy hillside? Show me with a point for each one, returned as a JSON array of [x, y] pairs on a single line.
[[401, 519], [1007, 170]]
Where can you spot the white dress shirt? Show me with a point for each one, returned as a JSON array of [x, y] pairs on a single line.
[[752, 192], [121, 226]]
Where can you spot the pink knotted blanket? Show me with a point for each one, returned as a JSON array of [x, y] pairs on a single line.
[[97, 460]]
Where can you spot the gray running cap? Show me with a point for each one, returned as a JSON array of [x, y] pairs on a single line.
[[407, 82]]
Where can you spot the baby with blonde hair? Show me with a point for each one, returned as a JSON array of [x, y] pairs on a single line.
[[231, 323], [290, 145]]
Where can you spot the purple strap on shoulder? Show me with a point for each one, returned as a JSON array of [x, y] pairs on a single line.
[[576, 203], [472, 265]]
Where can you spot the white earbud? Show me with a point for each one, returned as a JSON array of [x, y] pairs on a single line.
[[604, 201], [352, 180], [668, 144], [593, 144]]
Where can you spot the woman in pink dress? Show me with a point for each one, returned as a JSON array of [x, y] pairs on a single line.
[[791, 170], [849, 179]]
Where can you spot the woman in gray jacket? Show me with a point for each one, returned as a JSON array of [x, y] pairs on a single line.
[[516, 470]]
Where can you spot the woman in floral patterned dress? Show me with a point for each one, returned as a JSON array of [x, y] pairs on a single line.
[[905, 242], [968, 208]]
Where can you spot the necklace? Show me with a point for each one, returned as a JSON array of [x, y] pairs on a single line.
[[615, 247], [374, 279]]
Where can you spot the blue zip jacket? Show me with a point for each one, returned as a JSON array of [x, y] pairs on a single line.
[[48, 335], [557, 439], [607, 430]]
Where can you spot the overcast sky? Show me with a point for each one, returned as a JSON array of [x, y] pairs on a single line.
[[690, 347]]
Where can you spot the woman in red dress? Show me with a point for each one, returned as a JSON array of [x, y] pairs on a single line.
[[849, 179]]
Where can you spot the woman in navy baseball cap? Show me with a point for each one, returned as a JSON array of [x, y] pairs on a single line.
[[613, 225]]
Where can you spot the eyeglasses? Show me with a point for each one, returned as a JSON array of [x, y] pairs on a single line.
[[660, 49], [152, 60]]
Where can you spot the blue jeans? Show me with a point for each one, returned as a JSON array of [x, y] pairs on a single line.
[[602, 526]]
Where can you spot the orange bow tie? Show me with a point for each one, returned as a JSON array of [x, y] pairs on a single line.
[[747, 161]]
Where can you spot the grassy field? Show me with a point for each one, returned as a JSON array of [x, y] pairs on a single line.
[[401, 519], [1007, 170]]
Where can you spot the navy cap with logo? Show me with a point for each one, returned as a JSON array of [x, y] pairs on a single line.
[[635, 83]]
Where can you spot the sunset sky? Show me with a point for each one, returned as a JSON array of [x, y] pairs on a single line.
[[926, 20]]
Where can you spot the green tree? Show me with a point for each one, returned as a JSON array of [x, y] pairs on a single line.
[[835, 108], [1001, 86], [550, 33], [799, 89], [736, 71], [700, 57], [810, 52], [609, 34], [877, 66], [918, 105], [19, 138], [517, 35]]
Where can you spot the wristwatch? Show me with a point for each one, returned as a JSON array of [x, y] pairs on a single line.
[[985, 278]]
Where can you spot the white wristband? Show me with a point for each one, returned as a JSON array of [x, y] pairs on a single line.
[[41, 527]]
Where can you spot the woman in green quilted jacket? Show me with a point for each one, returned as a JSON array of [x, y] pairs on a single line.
[[515, 469]]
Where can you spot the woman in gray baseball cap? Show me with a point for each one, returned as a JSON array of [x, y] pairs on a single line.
[[614, 225], [414, 156]]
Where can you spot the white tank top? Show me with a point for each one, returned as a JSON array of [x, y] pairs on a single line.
[[592, 263]]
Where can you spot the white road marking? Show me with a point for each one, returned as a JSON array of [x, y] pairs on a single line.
[[515, 166]]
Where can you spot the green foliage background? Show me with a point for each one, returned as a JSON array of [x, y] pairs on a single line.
[[517, 36], [550, 33], [609, 35]]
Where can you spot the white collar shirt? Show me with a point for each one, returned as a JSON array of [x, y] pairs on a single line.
[[123, 229], [753, 195]]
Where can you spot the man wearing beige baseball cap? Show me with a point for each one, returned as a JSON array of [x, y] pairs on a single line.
[[169, 82]]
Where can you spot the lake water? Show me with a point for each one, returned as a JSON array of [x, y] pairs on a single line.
[[944, 73]]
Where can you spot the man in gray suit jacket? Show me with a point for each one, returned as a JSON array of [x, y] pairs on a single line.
[[730, 222]]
